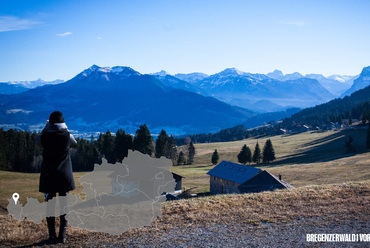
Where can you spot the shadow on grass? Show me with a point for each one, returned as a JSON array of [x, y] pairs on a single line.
[[202, 166], [326, 149], [40, 244]]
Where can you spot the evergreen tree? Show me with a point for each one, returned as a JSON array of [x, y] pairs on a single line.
[[368, 138], [181, 159], [143, 141], [3, 151], [348, 143], [245, 155], [100, 144], [215, 157], [268, 152], [123, 142], [29, 152], [108, 148], [191, 151], [160, 144], [257, 154], [170, 150]]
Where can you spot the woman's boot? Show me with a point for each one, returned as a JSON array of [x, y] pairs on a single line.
[[62, 229], [51, 227]]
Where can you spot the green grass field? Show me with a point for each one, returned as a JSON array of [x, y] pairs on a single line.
[[303, 159]]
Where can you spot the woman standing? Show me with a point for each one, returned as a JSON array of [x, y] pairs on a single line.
[[56, 169]]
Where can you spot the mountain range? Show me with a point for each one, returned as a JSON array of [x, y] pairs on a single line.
[[246, 89], [101, 98], [15, 87]]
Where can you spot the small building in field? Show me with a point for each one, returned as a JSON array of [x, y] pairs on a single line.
[[178, 181], [228, 178]]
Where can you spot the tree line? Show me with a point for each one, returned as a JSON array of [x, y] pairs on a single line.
[[18, 151], [245, 155], [238, 132]]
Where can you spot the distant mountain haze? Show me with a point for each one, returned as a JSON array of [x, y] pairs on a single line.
[[101, 98], [15, 87], [245, 89]]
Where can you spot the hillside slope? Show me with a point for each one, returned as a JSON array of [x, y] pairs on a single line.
[[361, 82], [349, 107]]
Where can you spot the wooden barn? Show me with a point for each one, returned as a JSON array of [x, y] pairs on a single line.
[[228, 178]]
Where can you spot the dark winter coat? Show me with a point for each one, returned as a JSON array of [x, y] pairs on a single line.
[[56, 169]]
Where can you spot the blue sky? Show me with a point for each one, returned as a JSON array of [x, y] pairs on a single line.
[[58, 39]]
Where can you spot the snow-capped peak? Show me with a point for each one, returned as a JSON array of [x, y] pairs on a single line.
[[232, 71], [162, 73], [119, 70], [36, 83], [342, 78]]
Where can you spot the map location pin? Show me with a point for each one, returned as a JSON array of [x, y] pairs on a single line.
[[15, 198]]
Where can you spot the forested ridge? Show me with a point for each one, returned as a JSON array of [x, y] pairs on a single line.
[[355, 106]]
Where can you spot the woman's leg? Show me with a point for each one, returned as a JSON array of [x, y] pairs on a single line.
[[50, 219], [63, 221]]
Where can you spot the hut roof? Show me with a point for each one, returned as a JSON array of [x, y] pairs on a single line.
[[264, 181], [233, 172]]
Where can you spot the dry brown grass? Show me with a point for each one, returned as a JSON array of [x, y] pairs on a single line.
[[330, 203], [351, 200]]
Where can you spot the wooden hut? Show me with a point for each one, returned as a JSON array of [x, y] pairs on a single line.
[[228, 177]]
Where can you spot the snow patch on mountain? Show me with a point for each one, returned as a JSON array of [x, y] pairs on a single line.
[[36, 83], [14, 111], [192, 78], [162, 73], [122, 71]]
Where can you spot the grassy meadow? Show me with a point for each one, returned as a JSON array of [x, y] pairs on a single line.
[[309, 158]]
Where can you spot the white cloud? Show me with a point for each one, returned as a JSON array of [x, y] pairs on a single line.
[[64, 34], [99, 38], [12, 23], [294, 23]]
